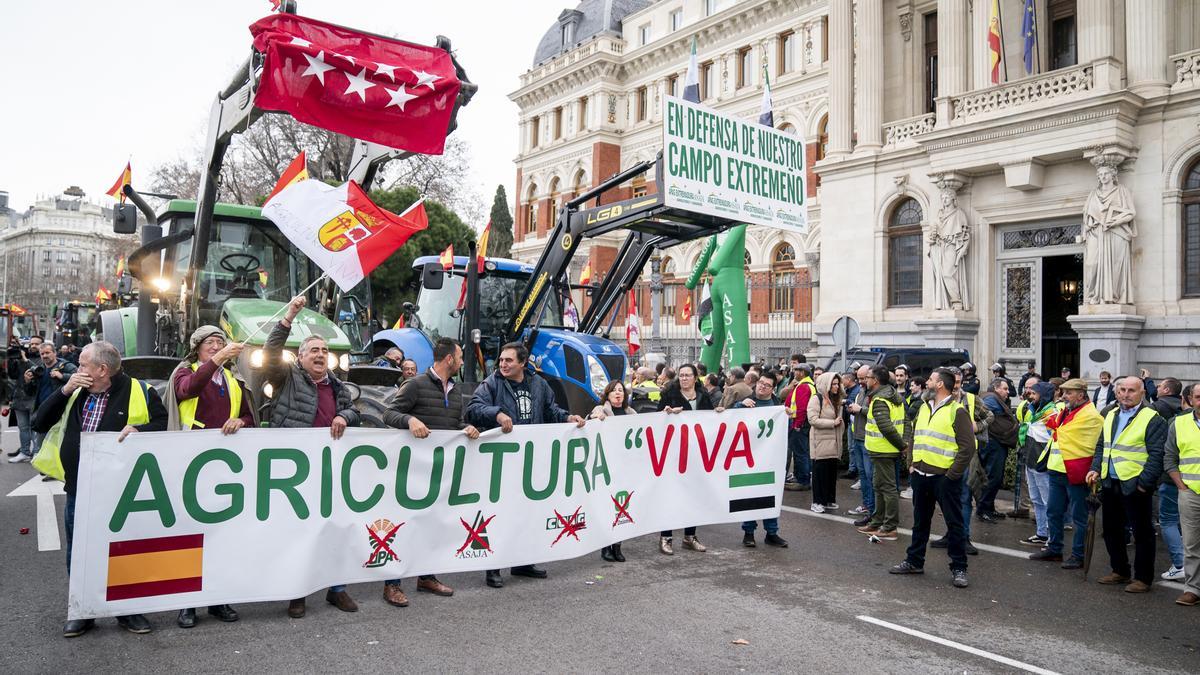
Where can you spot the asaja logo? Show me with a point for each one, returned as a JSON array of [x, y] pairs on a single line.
[[621, 507], [476, 544], [567, 525], [382, 533], [346, 229]]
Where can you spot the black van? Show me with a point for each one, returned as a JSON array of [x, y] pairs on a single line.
[[920, 362]]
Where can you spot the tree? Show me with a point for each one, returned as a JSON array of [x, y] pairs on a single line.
[[501, 239], [394, 282]]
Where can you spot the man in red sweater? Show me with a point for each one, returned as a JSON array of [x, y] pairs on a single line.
[[797, 407]]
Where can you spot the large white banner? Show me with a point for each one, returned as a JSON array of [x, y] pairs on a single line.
[[723, 166], [187, 519]]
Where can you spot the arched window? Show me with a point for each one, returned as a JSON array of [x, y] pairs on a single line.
[[747, 261], [904, 254], [1190, 229], [822, 137], [672, 292], [787, 128], [783, 279], [554, 200], [528, 223]]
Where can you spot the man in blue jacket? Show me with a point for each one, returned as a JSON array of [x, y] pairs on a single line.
[[514, 395]]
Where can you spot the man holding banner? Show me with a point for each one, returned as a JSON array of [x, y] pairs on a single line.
[[97, 397], [307, 395], [513, 395]]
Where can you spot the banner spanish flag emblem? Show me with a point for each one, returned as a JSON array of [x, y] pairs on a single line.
[[140, 568]]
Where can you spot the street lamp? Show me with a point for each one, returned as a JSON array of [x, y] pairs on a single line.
[[1068, 289]]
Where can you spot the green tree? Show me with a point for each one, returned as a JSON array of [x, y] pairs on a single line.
[[395, 282], [500, 241]]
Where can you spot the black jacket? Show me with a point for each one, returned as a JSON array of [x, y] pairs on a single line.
[[672, 397], [495, 395], [51, 411], [422, 398], [1156, 438]]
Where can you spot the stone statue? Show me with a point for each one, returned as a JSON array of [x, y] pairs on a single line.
[[948, 246], [1108, 232]]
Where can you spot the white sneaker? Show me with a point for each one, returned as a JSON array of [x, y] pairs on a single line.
[[19, 458], [1173, 574], [906, 493], [857, 485], [790, 478], [817, 508], [831, 507], [858, 511]]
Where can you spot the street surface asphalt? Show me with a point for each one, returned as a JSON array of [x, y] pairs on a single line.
[[825, 604]]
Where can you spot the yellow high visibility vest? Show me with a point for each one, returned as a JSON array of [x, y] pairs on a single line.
[[49, 458], [1023, 412], [1128, 451], [934, 441], [651, 388], [793, 398], [878, 443], [187, 407], [1187, 439]]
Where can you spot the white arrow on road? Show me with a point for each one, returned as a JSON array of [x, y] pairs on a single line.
[[47, 514]]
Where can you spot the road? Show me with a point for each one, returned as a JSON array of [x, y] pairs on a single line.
[[825, 604]]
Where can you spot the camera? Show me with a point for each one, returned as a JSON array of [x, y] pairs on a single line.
[[38, 370]]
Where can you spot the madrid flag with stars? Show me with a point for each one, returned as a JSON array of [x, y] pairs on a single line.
[[385, 91]]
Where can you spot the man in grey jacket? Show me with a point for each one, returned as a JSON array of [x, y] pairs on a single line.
[[307, 395]]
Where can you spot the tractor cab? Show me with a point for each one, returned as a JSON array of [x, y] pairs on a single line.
[[74, 324]]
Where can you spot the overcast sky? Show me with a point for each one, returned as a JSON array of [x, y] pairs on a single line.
[[84, 85]]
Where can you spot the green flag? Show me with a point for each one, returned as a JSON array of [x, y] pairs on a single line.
[[704, 317]]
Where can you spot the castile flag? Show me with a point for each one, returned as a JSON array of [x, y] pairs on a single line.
[[704, 317], [633, 326], [294, 173], [117, 191], [341, 229], [365, 86]]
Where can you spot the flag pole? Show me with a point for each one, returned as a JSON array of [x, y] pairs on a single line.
[[1003, 50], [282, 309]]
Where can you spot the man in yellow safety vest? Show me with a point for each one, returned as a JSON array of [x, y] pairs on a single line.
[[1128, 463], [1181, 461], [885, 445]]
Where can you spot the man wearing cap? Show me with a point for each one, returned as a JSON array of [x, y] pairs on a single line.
[[1074, 432], [1127, 465], [798, 431], [203, 393], [1181, 461]]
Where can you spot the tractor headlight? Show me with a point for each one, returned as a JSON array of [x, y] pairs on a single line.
[[289, 357], [256, 358], [344, 362], [597, 375], [268, 390]]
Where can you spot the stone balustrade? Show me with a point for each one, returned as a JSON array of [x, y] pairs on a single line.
[[902, 132], [1053, 87], [1187, 70]]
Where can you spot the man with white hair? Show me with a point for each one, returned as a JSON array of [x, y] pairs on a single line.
[[97, 397]]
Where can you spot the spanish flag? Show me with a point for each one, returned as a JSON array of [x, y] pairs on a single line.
[[117, 191], [585, 277], [294, 173], [995, 41], [103, 295], [481, 250], [447, 258], [140, 568], [263, 277], [687, 305], [120, 266]]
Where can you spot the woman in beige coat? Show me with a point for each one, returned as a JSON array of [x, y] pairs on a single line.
[[825, 418]]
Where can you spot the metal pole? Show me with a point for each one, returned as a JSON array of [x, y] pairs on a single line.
[[656, 291]]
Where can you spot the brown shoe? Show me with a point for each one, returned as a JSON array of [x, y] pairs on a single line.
[[1188, 599], [868, 529], [393, 595], [1137, 587], [693, 543], [1113, 579], [434, 586], [296, 609], [342, 601]]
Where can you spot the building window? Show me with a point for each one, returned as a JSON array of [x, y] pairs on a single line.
[[45, 256], [558, 120], [822, 137], [61, 257], [710, 7], [568, 34], [1191, 232], [583, 113], [554, 200], [535, 131], [530, 212], [676, 20], [787, 53], [904, 255], [1061, 15], [671, 292], [673, 85], [643, 34], [641, 104], [744, 74], [931, 61], [637, 187], [747, 261], [706, 80], [783, 279]]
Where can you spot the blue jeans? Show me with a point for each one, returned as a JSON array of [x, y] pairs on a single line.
[[337, 589], [771, 525], [35, 442], [992, 458], [798, 444], [1039, 492], [69, 520], [1168, 522], [866, 473], [1056, 506], [26, 432], [966, 507]]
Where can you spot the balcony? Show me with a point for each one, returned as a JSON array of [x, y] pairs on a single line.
[[1187, 70], [902, 133], [1059, 86]]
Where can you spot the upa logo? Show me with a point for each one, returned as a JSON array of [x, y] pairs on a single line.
[[567, 525], [382, 533], [621, 507], [476, 544]]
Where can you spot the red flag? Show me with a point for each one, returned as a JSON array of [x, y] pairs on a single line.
[[294, 173], [633, 326], [994, 41], [390, 92], [446, 258], [481, 250], [117, 191], [585, 277], [687, 305]]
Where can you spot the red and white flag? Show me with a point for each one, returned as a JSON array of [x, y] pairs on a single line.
[[390, 92], [633, 326], [341, 229], [294, 173]]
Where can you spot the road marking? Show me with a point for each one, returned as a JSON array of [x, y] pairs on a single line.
[[1027, 667], [1011, 552], [47, 513]]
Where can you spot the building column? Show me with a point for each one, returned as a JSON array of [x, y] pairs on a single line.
[[870, 89], [954, 28], [1146, 47], [841, 76], [1097, 30], [981, 70]]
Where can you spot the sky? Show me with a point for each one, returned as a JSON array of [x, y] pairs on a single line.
[[87, 85]]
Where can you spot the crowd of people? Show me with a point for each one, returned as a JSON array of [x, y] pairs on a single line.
[[935, 440]]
